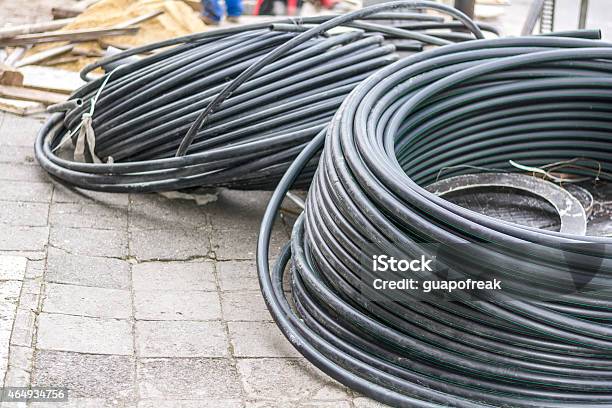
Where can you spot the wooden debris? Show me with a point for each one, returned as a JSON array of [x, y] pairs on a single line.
[[51, 79], [34, 95], [21, 107], [43, 55], [15, 56], [86, 52], [62, 60], [70, 35], [9, 32], [10, 76], [65, 12]]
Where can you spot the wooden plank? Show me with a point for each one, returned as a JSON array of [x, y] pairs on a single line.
[[65, 12], [34, 95], [69, 35], [9, 32], [10, 76], [51, 79], [44, 55], [21, 107], [15, 56]]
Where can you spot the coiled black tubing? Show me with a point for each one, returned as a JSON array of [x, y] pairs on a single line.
[[444, 112], [232, 107]]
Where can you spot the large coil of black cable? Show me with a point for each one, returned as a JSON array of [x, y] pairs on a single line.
[[459, 109], [227, 107]]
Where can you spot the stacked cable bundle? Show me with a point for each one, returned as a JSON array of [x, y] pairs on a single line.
[[453, 110], [224, 107]]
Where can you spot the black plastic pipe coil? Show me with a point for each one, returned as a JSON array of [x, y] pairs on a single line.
[[249, 99], [448, 111]]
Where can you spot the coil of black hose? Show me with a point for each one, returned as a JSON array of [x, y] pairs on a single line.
[[450, 111], [229, 107]]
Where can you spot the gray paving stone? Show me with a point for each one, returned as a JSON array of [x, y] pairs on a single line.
[[238, 210], [154, 212], [19, 238], [30, 295], [91, 242], [190, 403], [16, 377], [35, 269], [19, 130], [23, 191], [17, 154], [87, 301], [12, 267], [297, 404], [299, 381], [86, 375], [63, 267], [22, 172], [193, 378], [84, 334], [180, 339], [237, 275], [176, 305], [244, 306], [169, 244], [174, 276], [85, 403], [259, 339], [63, 194], [24, 213], [96, 216], [23, 328], [363, 402], [233, 245]]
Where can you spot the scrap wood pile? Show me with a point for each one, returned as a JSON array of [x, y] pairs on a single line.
[[39, 62]]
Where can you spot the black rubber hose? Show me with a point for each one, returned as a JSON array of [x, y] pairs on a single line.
[[543, 341], [264, 94]]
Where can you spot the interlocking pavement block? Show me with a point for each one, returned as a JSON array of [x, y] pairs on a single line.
[[86, 375], [12, 267], [241, 245], [154, 212], [297, 404], [17, 154], [22, 172], [188, 378], [259, 339], [174, 276], [237, 275], [363, 402], [24, 213], [91, 242], [244, 306], [98, 216], [87, 301], [217, 403], [19, 238], [238, 210], [181, 339], [64, 194], [18, 130], [84, 334], [63, 267], [23, 191], [299, 381], [176, 305], [169, 244]]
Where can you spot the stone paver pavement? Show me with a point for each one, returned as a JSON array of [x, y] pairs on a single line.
[[139, 301]]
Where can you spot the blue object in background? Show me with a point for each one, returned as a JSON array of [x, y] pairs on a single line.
[[213, 10]]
